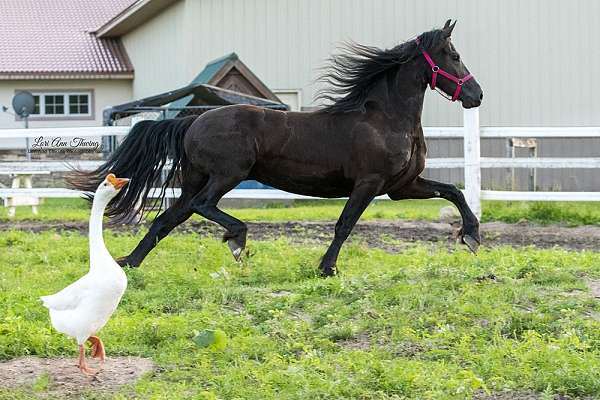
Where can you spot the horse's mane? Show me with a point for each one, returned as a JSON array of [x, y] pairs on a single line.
[[357, 69]]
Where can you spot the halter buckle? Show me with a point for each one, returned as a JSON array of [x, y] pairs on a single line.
[[435, 68], [460, 82]]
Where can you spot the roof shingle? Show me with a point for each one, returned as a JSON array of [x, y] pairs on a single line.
[[41, 38]]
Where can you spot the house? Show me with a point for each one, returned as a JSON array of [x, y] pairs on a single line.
[[533, 59], [49, 48], [106, 52]]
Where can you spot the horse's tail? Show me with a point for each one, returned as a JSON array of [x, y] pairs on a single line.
[[140, 157]]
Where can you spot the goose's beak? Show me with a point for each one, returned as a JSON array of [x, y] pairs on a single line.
[[118, 183]]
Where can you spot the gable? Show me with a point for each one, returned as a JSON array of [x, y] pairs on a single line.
[[229, 72]]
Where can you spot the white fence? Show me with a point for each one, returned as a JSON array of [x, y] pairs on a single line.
[[472, 162]]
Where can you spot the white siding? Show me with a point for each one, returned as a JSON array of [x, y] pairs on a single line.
[[535, 59], [158, 55], [105, 93]]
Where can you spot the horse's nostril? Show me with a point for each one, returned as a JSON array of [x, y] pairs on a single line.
[[481, 96]]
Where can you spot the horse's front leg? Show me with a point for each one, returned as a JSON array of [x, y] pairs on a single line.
[[422, 188], [362, 194]]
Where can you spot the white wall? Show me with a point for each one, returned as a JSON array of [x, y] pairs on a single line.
[[534, 59], [105, 93], [158, 56]]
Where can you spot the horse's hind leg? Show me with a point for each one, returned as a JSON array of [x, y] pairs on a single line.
[[205, 204], [178, 213]]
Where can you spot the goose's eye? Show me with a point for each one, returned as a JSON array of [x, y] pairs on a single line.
[[105, 184]]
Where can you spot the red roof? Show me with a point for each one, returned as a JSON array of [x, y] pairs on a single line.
[[54, 38]]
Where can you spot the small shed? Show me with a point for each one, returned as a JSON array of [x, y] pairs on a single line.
[[224, 81]]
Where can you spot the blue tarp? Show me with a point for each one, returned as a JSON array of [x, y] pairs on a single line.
[[252, 185]]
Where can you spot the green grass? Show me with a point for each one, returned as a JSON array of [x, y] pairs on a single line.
[[78, 210], [427, 323], [567, 213], [52, 210]]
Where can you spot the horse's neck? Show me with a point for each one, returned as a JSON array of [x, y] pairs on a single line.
[[401, 98]]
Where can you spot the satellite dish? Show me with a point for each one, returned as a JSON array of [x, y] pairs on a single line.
[[23, 103]]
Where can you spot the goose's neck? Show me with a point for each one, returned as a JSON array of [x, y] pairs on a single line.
[[97, 247]]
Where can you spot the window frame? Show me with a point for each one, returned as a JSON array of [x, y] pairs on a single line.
[[66, 95], [297, 93]]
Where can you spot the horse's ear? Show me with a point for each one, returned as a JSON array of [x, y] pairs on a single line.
[[448, 28]]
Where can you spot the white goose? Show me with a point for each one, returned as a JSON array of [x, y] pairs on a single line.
[[83, 308]]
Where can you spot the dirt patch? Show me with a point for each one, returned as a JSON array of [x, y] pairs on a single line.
[[594, 287], [60, 376], [360, 342], [381, 234], [364, 341], [407, 349], [280, 293], [522, 395]]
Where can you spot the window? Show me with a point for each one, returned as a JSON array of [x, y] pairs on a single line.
[[62, 105], [54, 104], [79, 104]]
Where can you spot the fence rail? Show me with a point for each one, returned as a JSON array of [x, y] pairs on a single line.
[[430, 132], [472, 162], [255, 194], [85, 131]]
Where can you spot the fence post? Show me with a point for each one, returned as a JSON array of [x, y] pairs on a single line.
[[472, 160]]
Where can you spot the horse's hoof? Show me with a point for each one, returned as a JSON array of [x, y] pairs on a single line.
[[471, 243], [124, 262], [236, 249], [328, 272]]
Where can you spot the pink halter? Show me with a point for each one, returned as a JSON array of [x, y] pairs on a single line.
[[437, 70]]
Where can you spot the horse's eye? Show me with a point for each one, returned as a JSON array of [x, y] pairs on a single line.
[[455, 57]]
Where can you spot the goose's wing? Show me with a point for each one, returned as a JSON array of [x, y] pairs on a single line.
[[70, 297]]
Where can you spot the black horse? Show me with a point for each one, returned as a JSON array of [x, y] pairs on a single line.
[[367, 142]]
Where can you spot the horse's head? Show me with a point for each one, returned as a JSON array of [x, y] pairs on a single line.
[[445, 69]]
